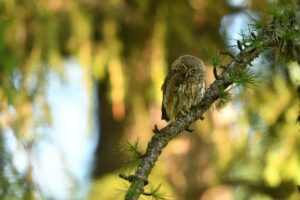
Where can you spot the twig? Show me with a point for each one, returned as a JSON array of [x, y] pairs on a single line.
[[215, 72]]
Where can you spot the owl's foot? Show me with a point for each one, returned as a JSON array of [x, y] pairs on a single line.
[[183, 112]]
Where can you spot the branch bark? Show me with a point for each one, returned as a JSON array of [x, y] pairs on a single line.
[[269, 37]]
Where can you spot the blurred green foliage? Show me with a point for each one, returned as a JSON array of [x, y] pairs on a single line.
[[248, 150]]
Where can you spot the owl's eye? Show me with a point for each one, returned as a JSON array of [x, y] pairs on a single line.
[[184, 67], [193, 70]]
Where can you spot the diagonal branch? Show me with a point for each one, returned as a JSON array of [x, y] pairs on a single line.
[[269, 37], [163, 136]]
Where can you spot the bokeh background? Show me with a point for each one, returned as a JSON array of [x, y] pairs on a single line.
[[79, 78]]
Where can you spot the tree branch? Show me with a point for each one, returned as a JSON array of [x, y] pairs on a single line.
[[268, 37]]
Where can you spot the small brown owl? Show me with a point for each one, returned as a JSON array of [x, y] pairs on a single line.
[[184, 86]]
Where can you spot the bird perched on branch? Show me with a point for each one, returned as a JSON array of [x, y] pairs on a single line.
[[183, 87]]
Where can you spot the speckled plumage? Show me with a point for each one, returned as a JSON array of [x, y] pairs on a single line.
[[184, 86]]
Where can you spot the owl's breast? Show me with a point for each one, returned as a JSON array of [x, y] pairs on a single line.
[[181, 93], [193, 91]]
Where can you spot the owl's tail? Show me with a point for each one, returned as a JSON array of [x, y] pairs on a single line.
[[164, 113]]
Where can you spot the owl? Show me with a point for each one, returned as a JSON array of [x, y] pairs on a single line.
[[183, 87]]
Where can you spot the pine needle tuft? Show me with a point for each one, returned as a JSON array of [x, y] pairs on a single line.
[[133, 151], [243, 78], [215, 58], [224, 98], [157, 194]]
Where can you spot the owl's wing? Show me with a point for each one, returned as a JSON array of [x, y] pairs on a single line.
[[170, 75]]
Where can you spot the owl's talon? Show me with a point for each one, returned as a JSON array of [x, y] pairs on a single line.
[[183, 112]]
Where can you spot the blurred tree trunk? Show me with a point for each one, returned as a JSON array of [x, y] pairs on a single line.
[[110, 131]]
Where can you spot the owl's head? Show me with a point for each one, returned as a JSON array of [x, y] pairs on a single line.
[[190, 66]]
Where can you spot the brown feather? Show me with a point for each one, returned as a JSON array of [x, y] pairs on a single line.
[[183, 87]]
